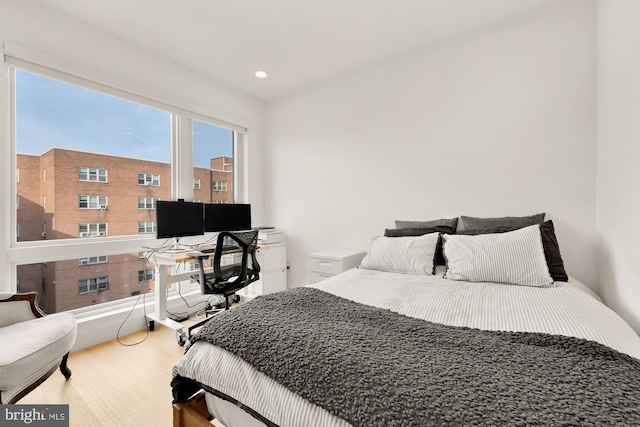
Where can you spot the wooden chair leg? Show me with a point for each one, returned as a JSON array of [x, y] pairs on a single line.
[[63, 366]]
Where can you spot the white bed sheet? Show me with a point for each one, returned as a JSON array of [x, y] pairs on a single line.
[[570, 309]]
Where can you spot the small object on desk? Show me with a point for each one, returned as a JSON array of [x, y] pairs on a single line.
[[179, 318]]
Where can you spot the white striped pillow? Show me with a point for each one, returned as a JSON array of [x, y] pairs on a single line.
[[412, 255], [515, 257]]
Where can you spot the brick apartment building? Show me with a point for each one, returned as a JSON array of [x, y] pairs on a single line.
[[71, 194]]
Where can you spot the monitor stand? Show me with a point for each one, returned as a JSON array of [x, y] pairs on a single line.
[[176, 247]]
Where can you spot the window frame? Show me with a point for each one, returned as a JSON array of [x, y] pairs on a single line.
[[97, 174], [100, 284], [29, 252], [145, 203], [96, 205]]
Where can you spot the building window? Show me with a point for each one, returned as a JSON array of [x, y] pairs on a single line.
[[146, 227], [93, 284], [44, 284], [147, 202], [149, 179], [92, 174], [17, 202], [44, 175], [92, 202], [100, 259], [196, 183], [92, 229], [145, 275], [219, 186]]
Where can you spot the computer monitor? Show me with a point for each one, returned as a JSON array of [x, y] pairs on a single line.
[[227, 217], [179, 218]]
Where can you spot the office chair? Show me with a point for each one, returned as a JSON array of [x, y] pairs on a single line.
[[226, 280]]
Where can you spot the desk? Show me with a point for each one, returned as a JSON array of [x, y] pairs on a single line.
[[273, 264]]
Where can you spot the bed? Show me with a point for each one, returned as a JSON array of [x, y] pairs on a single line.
[[379, 345]]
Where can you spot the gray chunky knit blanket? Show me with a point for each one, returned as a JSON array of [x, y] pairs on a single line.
[[373, 367]]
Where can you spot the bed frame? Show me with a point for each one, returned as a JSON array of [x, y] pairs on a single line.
[[192, 413]]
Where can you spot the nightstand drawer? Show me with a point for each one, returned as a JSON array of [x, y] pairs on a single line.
[[325, 265], [315, 277]]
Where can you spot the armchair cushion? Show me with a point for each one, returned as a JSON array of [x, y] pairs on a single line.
[[31, 348]]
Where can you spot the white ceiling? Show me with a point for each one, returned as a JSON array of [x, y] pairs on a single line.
[[299, 42]]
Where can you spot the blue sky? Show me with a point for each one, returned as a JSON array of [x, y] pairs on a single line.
[[55, 114]]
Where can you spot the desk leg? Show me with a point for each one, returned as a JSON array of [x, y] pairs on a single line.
[[160, 307], [160, 291]]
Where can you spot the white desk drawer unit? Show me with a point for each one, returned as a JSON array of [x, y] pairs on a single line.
[[325, 264]]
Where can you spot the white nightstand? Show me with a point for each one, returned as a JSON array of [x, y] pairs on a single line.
[[325, 264]]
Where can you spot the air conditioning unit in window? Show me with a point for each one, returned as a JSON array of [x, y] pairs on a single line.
[[102, 233], [84, 234], [104, 207], [84, 261]]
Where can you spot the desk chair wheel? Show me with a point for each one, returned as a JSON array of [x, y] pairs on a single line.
[[236, 298], [182, 339]]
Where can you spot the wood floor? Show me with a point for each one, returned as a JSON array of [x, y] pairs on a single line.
[[115, 385]]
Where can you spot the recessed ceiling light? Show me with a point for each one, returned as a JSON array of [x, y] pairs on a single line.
[[261, 74]]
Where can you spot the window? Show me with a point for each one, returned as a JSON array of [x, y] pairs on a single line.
[[92, 229], [92, 202], [146, 203], [101, 259], [213, 162], [83, 132], [93, 285], [44, 284], [146, 227], [145, 275], [219, 186], [148, 179], [92, 174]]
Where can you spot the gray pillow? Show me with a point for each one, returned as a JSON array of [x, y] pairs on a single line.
[[453, 223], [473, 223]]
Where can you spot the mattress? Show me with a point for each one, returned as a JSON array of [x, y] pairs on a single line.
[[569, 309]]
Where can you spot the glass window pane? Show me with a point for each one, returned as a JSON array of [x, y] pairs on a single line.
[[212, 163], [76, 283], [93, 149]]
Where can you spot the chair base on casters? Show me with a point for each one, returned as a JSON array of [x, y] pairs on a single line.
[[209, 314]]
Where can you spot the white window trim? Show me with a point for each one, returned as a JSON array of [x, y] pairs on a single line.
[[103, 316]]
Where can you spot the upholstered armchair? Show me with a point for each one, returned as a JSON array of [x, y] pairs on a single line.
[[32, 344]]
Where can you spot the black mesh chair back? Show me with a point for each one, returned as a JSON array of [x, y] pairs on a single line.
[[228, 279]]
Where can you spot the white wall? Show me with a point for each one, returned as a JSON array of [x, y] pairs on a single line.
[[44, 30], [619, 157], [499, 121]]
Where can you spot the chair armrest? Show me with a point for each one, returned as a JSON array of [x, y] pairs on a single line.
[[23, 306]]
